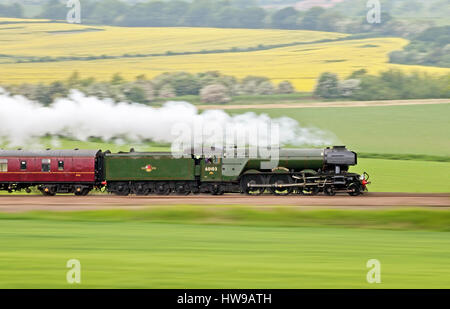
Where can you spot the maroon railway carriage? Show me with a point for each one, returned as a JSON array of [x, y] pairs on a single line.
[[52, 171]]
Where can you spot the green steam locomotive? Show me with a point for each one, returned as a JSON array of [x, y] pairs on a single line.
[[295, 171]]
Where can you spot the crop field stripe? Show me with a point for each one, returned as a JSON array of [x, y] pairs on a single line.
[[282, 216], [154, 255], [236, 52]]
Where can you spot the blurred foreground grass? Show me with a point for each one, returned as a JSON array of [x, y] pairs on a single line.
[[226, 247], [431, 219]]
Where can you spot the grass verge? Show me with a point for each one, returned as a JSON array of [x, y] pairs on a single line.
[[133, 254], [392, 219]]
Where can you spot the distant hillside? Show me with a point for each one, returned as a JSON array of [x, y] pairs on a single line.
[[398, 8]]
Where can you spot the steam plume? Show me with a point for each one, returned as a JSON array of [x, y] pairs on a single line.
[[22, 121]]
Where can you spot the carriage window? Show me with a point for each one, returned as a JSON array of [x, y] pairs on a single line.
[[23, 165], [60, 165], [3, 165], [46, 165]]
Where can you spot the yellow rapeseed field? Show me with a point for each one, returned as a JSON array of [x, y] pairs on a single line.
[[63, 39], [300, 64]]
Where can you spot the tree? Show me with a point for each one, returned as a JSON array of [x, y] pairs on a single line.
[[136, 94], [166, 92], [327, 86], [74, 80], [148, 88], [200, 13], [348, 87], [329, 21], [13, 10], [117, 79], [285, 18], [227, 17], [311, 19], [184, 84], [54, 9], [285, 87], [100, 90], [265, 88], [42, 95], [215, 93], [57, 90], [105, 12], [252, 17]]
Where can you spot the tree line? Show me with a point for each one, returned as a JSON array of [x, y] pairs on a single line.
[[431, 47], [389, 85], [218, 13], [212, 87]]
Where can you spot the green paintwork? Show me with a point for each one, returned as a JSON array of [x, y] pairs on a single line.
[[135, 166], [211, 169]]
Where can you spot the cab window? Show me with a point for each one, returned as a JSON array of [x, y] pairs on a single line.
[[3, 165], [46, 165], [60, 165], [23, 165]]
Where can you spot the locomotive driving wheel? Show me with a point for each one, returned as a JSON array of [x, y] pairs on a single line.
[[308, 190], [281, 180], [309, 187], [329, 190], [249, 180]]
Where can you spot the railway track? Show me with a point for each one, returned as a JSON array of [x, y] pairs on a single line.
[[19, 203]]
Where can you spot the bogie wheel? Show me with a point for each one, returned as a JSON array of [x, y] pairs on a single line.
[[216, 190], [122, 189], [141, 189], [182, 189], [329, 190], [252, 179], [162, 188], [83, 192], [48, 191], [354, 189], [280, 180]]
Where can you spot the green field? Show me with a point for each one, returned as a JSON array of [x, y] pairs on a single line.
[[418, 129], [117, 250], [405, 176]]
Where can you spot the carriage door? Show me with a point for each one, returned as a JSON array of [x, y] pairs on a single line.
[[24, 165], [63, 168], [211, 169]]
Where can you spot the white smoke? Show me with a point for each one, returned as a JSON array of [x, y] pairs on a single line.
[[23, 121]]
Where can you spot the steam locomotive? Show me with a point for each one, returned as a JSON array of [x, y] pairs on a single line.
[[296, 171]]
